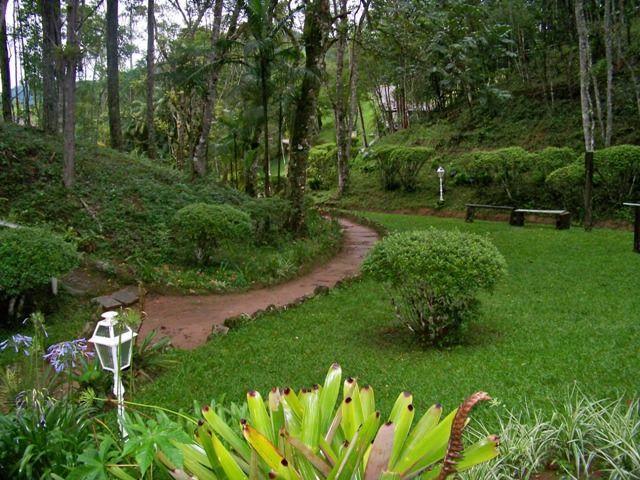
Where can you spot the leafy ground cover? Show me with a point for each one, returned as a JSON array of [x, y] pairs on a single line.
[[564, 316], [122, 208]]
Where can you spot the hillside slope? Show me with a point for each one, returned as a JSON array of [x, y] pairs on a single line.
[[119, 206]]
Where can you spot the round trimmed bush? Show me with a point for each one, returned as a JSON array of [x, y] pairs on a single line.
[[201, 229], [30, 257], [434, 277]]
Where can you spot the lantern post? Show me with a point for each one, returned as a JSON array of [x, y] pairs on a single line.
[[113, 342]]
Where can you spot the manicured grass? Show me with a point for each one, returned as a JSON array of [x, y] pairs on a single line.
[[567, 313]]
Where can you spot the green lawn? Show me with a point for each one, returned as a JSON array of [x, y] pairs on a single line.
[[566, 313]]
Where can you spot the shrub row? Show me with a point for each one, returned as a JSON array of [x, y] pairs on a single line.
[[616, 179], [551, 177], [398, 167]]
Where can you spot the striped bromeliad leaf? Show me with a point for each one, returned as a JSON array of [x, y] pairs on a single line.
[[317, 434]]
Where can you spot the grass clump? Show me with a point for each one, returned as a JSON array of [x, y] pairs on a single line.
[[434, 277]]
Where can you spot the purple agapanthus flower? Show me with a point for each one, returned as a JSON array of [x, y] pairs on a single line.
[[65, 355], [18, 342]]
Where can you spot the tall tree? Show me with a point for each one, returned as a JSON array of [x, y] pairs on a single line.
[[260, 15], [71, 58], [216, 60], [113, 69], [151, 129], [50, 13], [317, 23], [587, 110], [5, 67], [340, 98], [608, 44]]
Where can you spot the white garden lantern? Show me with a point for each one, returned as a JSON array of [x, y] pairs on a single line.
[[113, 342], [440, 172]]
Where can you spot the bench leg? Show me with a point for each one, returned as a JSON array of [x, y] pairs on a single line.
[[517, 219], [470, 214], [563, 221]]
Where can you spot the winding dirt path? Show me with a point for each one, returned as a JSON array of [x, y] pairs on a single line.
[[188, 320]]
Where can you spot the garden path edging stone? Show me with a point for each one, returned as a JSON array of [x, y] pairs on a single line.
[[189, 320]]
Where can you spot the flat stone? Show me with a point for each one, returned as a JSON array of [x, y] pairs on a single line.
[[107, 302], [126, 296], [219, 330]]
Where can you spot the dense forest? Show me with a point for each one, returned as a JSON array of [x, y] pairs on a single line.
[[239, 91]]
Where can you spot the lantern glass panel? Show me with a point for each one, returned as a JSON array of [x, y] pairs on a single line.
[[106, 359], [102, 331], [125, 354]]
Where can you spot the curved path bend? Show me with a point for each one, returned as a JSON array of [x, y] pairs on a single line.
[[188, 320]]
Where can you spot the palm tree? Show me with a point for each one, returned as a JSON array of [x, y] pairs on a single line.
[[262, 52]]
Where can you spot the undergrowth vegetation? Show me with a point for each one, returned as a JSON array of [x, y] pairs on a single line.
[[123, 208]]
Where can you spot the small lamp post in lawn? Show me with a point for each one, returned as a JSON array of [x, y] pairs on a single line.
[[113, 341], [440, 172]]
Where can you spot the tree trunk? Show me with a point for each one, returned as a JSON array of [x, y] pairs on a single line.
[[340, 100], [280, 152], [16, 63], [608, 42], [251, 164], [215, 61], [151, 129], [316, 27], [113, 68], [265, 113], [5, 68], [72, 52], [26, 91], [364, 131], [587, 113]]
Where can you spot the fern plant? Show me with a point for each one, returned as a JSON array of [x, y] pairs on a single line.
[[311, 434]]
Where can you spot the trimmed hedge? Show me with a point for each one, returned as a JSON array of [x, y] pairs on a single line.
[[30, 257], [200, 229], [400, 166], [616, 178], [434, 276]]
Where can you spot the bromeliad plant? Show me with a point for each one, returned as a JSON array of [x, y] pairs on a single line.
[[305, 435]]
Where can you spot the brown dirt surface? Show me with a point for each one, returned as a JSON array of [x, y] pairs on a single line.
[[188, 320]]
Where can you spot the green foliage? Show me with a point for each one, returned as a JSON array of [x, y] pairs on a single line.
[[30, 257], [318, 433], [322, 169], [618, 170], [201, 229], [43, 439], [566, 185], [434, 277], [504, 168], [582, 438], [548, 160], [400, 166], [616, 179], [128, 204], [269, 217]]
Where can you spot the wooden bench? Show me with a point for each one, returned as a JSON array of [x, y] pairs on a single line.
[[563, 217], [636, 225], [472, 207]]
